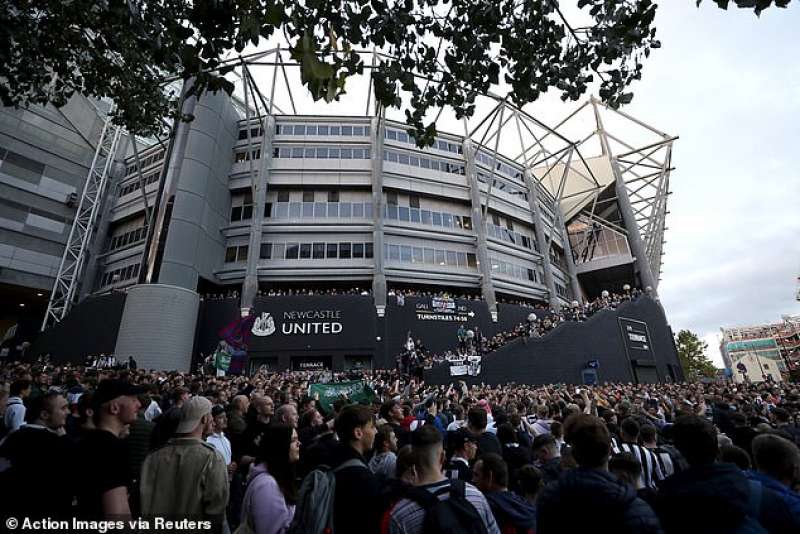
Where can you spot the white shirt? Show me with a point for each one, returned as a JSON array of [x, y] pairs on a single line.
[[455, 425], [152, 411], [222, 444], [15, 414]]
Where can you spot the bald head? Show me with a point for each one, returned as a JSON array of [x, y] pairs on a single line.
[[287, 414], [240, 403]]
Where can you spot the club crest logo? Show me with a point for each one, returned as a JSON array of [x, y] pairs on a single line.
[[264, 325]]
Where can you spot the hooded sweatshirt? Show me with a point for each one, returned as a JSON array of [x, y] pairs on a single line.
[[510, 510], [603, 503]]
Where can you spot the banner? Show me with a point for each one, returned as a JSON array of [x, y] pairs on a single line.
[[459, 370], [356, 391], [222, 360]]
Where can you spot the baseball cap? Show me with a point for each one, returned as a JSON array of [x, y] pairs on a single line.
[[191, 412], [217, 410], [460, 437], [112, 388]]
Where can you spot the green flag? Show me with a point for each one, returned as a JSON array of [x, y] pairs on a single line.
[[222, 360], [357, 391]]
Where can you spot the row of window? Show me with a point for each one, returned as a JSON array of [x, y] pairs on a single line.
[[439, 144], [146, 162], [318, 210], [320, 152], [321, 129], [340, 250], [430, 256], [149, 178], [255, 131], [508, 170], [510, 236], [427, 217], [513, 270], [502, 185], [119, 275], [404, 158], [246, 155], [128, 238], [561, 291]]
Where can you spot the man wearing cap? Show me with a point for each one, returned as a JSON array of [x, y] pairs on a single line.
[[464, 448], [103, 457], [187, 479]]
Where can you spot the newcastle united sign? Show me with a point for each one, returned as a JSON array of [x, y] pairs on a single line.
[[305, 322]]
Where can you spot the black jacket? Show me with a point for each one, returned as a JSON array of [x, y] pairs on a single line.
[[488, 443], [602, 502], [714, 499], [511, 510], [359, 503]]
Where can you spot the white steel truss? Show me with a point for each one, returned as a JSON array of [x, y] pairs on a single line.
[[65, 288]]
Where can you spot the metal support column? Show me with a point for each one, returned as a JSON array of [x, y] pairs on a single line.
[[544, 245], [487, 287], [68, 279], [379, 275]]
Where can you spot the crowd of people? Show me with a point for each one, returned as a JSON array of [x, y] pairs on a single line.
[[261, 453]]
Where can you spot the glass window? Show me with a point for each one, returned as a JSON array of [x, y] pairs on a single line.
[[471, 260], [311, 129], [437, 218], [358, 250], [367, 250], [242, 254], [266, 251], [292, 251], [230, 254], [268, 210], [347, 130], [322, 152], [236, 213], [452, 258], [332, 250], [405, 254], [283, 196], [462, 259], [281, 210], [333, 209], [403, 213], [447, 220], [308, 209], [428, 256], [425, 215], [344, 251], [333, 153], [319, 251], [391, 198], [322, 129], [440, 257], [308, 196], [320, 209], [425, 163], [297, 152], [457, 221], [295, 209], [402, 137], [347, 153], [417, 256], [391, 134], [402, 159], [358, 210], [345, 210], [333, 196], [413, 161], [415, 215], [413, 201], [299, 129], [393, 156], [391, 212], [368, 210], [247, 212], [276, 152], [278, 250], [394, 252], [336, 130]]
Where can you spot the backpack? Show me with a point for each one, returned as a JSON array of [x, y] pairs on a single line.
[[314, 510], [454, 515], [750, 523]]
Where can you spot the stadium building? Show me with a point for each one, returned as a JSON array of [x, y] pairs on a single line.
[[768, 350], [155, 251]]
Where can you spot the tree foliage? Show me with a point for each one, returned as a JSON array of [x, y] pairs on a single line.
[[757, 5], [691, 351], [438, 52]]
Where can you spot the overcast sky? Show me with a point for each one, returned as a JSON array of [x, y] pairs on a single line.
[[727, 83]]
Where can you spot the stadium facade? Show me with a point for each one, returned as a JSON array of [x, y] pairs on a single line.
[[252, 200]]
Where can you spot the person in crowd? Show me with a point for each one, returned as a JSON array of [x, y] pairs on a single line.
[[477, 419], [427, 415], [358, 503], [648, 439], [384, 459], [391, 411], [547, 458], [530, 483], [627, 468], [37, 463], [269, 502], [711, 496], [731, 454], [542, 421], [741, 433], [408, 515], [629, 438], [512, 513], [783, 423], [219, 440], [514, 455], [286, 414], [187, 477], [458, 419], [777, 463], [102, 458], [138, 440], [605, 503], [15, 407], [464, 446]]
